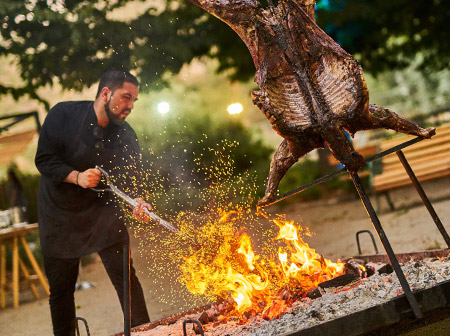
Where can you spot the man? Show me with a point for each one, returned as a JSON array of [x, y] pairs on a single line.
[[74, 220]]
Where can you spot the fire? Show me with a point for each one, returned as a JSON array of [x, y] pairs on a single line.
[[247, 267], [227, 267]]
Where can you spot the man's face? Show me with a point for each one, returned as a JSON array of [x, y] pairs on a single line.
[[121, 102]]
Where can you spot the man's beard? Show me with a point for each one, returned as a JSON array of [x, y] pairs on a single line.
[[113, 118]]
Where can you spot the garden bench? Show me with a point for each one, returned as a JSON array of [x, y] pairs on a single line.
[[429, 159]]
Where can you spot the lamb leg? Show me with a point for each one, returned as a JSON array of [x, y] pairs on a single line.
[[380, 117], [282, 160], [342, 148]]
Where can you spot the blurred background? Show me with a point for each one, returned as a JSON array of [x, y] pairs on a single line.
[[196, 78]]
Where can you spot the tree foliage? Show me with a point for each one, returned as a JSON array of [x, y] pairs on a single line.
[[74, 41], [386, 35]]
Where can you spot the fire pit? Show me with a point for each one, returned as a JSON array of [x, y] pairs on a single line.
[[360, 307]]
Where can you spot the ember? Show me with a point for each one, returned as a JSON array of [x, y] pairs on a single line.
[[264, 293], [228, 268]]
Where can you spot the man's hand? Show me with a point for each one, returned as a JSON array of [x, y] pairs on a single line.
[[89, 178], [139, 212]]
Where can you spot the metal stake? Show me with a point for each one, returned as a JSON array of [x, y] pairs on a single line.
[[371, 237], [387, 246], [85, 324], [126, 291], [424, 197], [199, 327]]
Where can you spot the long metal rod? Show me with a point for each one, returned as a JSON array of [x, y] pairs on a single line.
[[387, 246], [126, 291], [132, 202], [112, 188], [343, 170], [423, 196]]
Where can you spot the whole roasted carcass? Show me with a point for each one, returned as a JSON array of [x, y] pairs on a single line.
[[311, 90]]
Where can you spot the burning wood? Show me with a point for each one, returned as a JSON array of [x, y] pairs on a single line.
[[249, 283]]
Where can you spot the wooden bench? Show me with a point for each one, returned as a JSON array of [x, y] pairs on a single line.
[[429, 159]]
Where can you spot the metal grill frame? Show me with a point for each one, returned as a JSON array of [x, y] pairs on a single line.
[[374, 217]]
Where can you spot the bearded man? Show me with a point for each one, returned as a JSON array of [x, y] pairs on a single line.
[[74, 220]]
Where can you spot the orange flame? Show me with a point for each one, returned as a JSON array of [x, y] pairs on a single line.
[[228, 267]]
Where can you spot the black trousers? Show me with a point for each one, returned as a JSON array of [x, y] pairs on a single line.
[[62, 276]]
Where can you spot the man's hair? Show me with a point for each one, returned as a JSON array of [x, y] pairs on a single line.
[[114, 79]]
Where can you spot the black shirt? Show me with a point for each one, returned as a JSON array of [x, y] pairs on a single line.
[[74, 221]]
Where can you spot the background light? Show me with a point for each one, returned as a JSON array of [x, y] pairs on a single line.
[[235, 108], [163, 107]]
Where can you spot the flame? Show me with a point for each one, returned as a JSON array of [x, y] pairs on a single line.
[[227, 267]]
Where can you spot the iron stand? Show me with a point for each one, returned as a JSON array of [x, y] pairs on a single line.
[[371, 237], [387, 246], [85, 325], [373, 216], [423, 196]]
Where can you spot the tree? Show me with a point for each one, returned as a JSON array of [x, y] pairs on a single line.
[[74, 41], [387, 35]]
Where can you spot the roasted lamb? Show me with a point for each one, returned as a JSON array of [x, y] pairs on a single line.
[[311, 90]]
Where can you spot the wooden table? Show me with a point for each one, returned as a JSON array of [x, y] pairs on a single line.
[[14, 236]]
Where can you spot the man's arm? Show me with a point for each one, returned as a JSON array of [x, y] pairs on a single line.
[[132, 180], [139, 212], [86, 179]]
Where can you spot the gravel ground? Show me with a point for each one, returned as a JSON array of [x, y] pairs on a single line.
[[333, 222]]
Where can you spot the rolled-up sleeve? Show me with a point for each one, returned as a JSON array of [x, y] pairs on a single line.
[[48, 158]]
